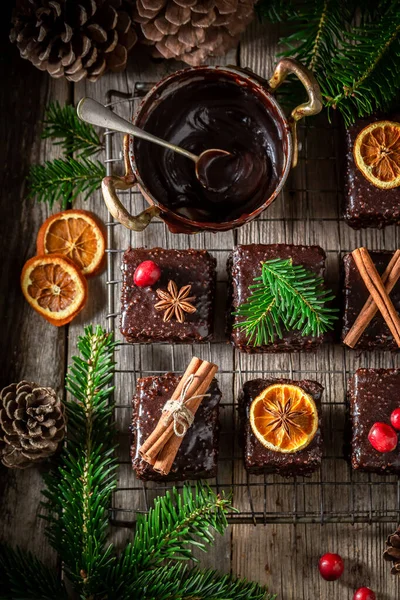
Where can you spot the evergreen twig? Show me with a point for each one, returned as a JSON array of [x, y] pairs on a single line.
[[285, 295], [79, 490], [73, 135], [178, 582], [64, 179], [177, 523], [355, 66], [23, 577]]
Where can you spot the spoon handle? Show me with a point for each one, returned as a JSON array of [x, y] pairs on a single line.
[[95, 113]]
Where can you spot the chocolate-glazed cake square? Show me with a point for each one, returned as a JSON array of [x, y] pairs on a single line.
[[141, 322], [377, 335], [365, 205], [258, 459], [373, 395], [198, 454], [243, 265]]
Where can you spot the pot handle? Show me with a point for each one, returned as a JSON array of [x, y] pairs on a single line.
[[314, 104], [112, 183]]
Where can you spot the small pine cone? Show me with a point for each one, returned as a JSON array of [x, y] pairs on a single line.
[[75, 39], [192, 30], [392, 552], [32, 424]]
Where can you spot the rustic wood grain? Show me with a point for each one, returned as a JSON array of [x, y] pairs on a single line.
[[283, 556], [31, 348]]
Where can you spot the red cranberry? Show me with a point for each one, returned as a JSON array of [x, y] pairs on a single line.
[[331, 566], [364, 593], [383, 437], [395, 418], [147, 273]]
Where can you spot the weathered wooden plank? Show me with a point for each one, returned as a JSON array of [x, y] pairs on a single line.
[[31, 348]]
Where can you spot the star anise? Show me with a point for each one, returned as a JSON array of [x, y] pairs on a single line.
[[284, 416], [175, 302]]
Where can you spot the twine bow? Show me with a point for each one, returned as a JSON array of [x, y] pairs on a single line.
[[182, 416]]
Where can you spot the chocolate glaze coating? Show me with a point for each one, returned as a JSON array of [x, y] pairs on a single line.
[[140, 322], [243, 266], [258, 459], [201, 115], [364, 204], [198, 455], [373, 394], [377, 336]]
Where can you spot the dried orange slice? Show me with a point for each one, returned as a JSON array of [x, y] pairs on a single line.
[[284, 418], [377, 153], [54, 287], [78, 235]]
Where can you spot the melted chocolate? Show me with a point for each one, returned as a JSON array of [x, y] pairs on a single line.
[[205, 114], [234, 176]]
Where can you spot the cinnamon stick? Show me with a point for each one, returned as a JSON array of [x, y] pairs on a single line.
[[167, 455], [157, 435], [158, 443], [166, 430], [369, 310], [375, 287]]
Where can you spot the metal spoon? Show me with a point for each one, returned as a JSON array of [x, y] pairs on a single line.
[[95, 113]]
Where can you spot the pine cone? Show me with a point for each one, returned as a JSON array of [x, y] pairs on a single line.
[[192, 30], [75, 38], [392, 552], [32, 424]]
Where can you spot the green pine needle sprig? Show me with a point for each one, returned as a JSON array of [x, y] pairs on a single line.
[[78, 494], [63, 179], [179, 582], [285, 296], [23, 577], [63, 124], [352, 47]]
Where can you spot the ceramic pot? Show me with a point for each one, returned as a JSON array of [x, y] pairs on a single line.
[[244, 77]]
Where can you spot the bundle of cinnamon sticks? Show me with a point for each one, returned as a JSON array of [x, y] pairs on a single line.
[[163, 443], [379, 289]]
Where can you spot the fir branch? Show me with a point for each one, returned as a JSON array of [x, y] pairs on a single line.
[[356, 67], [262, 322], [364, 74], [275, 10], [285, 294], [64, 179], [176, 523], [22, 576], [318, 27], [178, 582], [79, 491], [74, 135]]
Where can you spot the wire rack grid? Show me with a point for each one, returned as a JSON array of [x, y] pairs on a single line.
[[307, 212]]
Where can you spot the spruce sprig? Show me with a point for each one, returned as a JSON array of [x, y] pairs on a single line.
[[363, 74], [285, 296], [179, 582], [176, 523], [64, 179], [352, 47], [62, 123], [79, 491], [23, 576]]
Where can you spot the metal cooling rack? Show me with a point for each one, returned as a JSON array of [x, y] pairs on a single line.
[[308, 214]]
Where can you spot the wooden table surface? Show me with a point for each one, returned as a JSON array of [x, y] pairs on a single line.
[[284, 556]]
